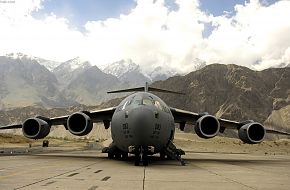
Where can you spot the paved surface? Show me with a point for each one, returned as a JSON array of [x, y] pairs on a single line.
[[91, 170]]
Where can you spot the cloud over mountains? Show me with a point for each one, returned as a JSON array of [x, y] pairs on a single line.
[[154, 34]]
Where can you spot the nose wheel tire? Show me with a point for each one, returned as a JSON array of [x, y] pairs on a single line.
[[145, 159], [141, 155], [110, 155], [137, 160], [124, 156]]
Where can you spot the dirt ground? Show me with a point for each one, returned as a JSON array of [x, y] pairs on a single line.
[[14, 141], [191, 142], [187, 141]]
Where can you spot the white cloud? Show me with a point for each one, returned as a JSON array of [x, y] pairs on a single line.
[[17, 9], [50, 38], [256, 36]]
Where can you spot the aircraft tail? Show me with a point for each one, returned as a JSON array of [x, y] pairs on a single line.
[[146, 88]]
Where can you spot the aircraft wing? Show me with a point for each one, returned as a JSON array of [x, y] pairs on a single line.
[[183, 116], [96, 116], [16, 126]]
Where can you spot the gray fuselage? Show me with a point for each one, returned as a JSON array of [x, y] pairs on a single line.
[[142, 119]]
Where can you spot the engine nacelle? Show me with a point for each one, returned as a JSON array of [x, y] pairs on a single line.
[[79, 124], [35, 128], [252, 133], [207, 126]]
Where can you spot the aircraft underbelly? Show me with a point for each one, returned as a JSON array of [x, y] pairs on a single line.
[[142, 127]]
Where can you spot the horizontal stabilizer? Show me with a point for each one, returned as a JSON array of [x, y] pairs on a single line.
[[162, 90], [145, 89], [128, 90]]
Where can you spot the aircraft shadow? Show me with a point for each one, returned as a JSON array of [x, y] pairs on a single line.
[[155, 160]]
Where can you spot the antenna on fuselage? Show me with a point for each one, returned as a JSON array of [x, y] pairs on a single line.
[[146, 88]]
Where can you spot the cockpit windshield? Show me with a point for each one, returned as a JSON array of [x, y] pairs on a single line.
[[148, 102], [137, 100], [159, 105]]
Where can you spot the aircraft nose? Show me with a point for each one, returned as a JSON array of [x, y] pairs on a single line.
[[142, 119]]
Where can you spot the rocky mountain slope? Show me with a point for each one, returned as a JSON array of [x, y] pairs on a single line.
[[234, 92], [90, 87], [69, 70], [25, 82], [50, 65]]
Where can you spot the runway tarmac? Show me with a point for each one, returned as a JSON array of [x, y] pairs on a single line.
[[91, 170]]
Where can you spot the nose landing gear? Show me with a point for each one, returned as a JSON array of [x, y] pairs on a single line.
[[141, 155]]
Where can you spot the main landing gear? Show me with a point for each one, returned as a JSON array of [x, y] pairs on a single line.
[[114, 152], [173, 153]]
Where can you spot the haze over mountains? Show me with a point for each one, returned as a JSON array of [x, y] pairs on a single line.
[[29, 81]]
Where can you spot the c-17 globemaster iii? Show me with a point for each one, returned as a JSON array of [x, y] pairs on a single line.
[[142, 124]]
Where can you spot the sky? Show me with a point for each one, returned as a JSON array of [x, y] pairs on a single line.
[[176, 34]]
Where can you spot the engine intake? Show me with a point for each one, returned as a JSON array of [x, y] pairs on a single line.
[[207, 126], [79, 124], [252, 133], [35, 128]]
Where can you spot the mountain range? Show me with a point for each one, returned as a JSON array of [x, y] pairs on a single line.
[[228, 91], [234, 92], [30, 81]]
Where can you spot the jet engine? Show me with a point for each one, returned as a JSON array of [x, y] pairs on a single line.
[[252, 133], [207, 126], [35, 128], [79, 124]]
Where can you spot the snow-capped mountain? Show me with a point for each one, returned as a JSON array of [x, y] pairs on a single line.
[[69, 70], [198, 64], [121, 67], [127, 72], [24, 82], [28, 80], [90, 86], [73, 64], [50, 65], [161, 73]]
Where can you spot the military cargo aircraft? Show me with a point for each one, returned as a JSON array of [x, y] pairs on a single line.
[[142, 124]]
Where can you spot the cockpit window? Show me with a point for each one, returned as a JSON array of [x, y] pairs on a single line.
[[126, 104], [136, 100], [158, 105], [148, 102]]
